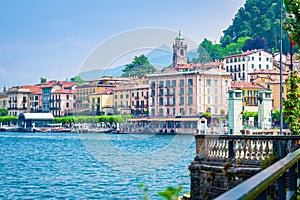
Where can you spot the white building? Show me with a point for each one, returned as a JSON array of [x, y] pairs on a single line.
[[240, 65]]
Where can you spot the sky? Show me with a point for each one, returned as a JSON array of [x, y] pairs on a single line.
[[54, 38]]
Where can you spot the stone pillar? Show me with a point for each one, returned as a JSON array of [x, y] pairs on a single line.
[[265, 109], [235, 109]]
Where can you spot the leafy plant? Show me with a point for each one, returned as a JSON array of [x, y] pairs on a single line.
[[170, 192], [291, 105]]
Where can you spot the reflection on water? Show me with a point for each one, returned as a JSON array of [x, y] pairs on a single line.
[[102, 166]]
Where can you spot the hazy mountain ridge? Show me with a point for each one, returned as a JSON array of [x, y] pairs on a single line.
[[159, 57]]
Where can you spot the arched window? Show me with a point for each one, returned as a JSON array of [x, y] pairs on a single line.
[[181, 52]]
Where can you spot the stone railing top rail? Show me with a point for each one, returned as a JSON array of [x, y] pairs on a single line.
[[249, 137]]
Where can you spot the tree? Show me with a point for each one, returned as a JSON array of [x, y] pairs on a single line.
[[257, 43], [292, 102], [291, 106], [77, 79], [3, 112], [257, 18], [43, 80], [138, 67], [293, 20]]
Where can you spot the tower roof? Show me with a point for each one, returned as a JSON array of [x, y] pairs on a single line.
[[179, 36]]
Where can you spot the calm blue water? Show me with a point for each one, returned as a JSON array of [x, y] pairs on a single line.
[[92, 166]]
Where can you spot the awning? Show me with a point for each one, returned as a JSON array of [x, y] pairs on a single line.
[[36, 116]]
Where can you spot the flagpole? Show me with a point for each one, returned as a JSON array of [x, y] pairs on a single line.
[[280, 66]]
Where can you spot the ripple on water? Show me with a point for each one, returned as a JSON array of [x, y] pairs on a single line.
[[99, 166]]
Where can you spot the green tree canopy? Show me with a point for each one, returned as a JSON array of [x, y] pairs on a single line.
[[77, 79], [3, 112], [293, 20], [138, 67], [43, 80], [258, 18]]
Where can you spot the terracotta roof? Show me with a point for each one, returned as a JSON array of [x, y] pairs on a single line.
[[244, 85], [64, 91], [106, 91], [245, 53], [52, 83], [266, 71]]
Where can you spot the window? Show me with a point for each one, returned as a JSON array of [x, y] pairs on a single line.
[[160, 112], [208, 82], [267, 66], [208, 90], [127, 96], [161, 92], [181, 83], [161, 84], [243, 67], [208, 100], [174, 101], [259, 66], [121, 96], [181, 102], [181, 111], [259, 58], [174, 83], [190, 100], [181, 91], [249, 93], [216, 90], [252, 58], [152, 85], [190, 82], [153, 102], [252, 65], [161, 101], [216, 82], [226, 68], [190, 90], [168, 111], [168, 101], [267, 59], [226, 82], [116, 96], [152, 93], [168, 83], [174, 111], [67, 96], [216, 100], [200, 100]]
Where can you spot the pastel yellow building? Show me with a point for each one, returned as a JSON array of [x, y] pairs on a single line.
[[102, 102]]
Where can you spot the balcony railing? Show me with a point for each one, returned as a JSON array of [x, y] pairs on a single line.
[[244, 155], [256, 187], [248, 147]]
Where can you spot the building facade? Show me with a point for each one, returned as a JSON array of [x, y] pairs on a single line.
[[250, 91], [102, 102], [188, 93], [241, 65]]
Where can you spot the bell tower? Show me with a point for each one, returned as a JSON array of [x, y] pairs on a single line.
[[179, 51]]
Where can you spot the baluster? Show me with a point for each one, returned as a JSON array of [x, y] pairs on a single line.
[[260, 150], [240, 149], [245, 149], [255, 150], [250, 150], [215, 148]]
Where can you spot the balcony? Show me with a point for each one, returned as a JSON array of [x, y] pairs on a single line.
[[58, 100], [137, 98], [51, 100], [24, 101], [146, 97]]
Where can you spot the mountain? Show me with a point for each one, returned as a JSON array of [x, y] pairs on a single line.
[[159, 57]]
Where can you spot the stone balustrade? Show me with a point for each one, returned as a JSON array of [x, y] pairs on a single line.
[[224, 161]]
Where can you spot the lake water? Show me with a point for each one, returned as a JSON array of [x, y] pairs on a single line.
[[97, 166]]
